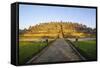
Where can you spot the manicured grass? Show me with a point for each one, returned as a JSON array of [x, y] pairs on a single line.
[[87, 49], [28, 49]]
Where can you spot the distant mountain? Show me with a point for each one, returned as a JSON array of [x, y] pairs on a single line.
[[58, 29]]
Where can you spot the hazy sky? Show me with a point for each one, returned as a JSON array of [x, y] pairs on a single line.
[[35, 14]]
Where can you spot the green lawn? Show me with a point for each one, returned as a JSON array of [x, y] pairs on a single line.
[[28, 49], [87, 49]]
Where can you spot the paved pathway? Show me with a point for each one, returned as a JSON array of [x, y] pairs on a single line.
[[58, 51]]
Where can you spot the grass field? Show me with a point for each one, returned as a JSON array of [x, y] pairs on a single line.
[[87, 49], [28, 49]]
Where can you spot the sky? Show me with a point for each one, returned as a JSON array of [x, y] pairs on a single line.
[[30, 15]]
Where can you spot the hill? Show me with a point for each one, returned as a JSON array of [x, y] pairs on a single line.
[[58, 29]]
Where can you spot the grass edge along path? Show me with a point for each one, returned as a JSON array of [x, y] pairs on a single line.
[[88, 52], [76, 50], [29, 49], [87, 48]]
